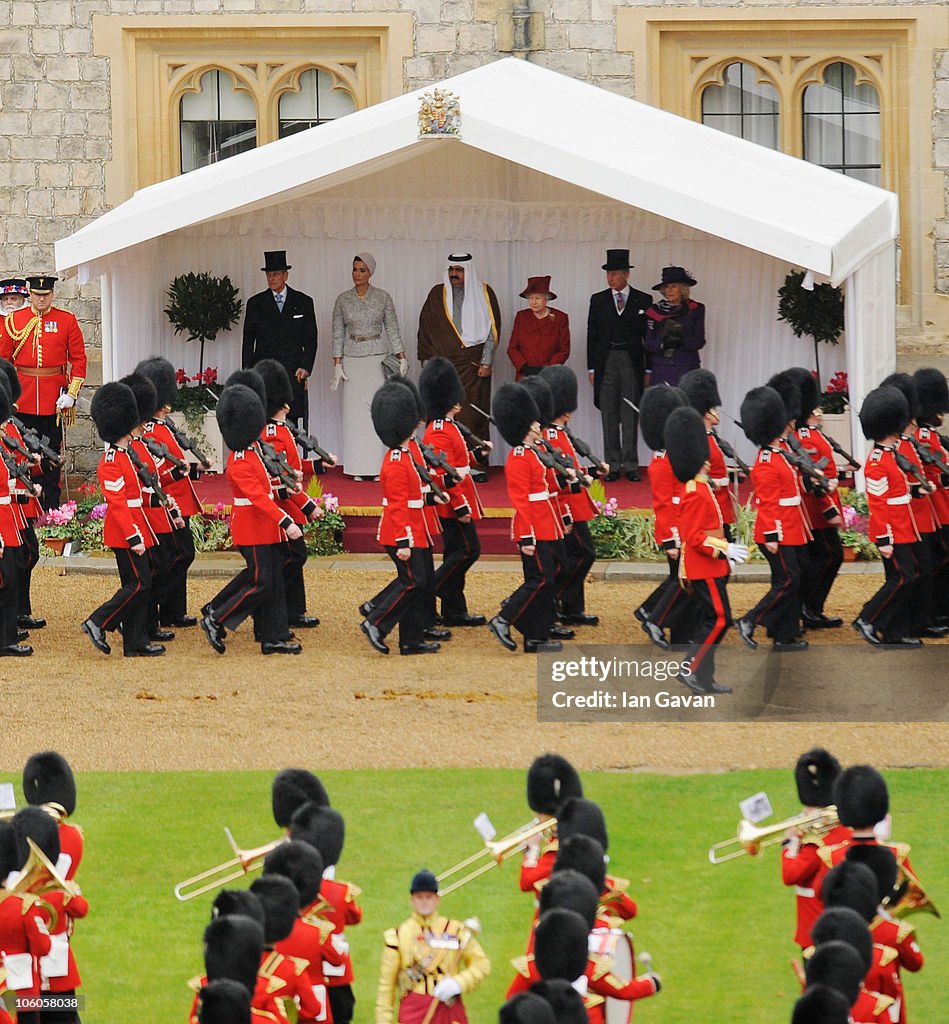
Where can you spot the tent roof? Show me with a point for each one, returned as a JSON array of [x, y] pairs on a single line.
[[607, 144]]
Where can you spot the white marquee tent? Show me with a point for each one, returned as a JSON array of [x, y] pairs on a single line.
[[548, 174]]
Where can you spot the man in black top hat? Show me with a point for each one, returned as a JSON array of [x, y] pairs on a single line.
[[280, 323], [616, 361]]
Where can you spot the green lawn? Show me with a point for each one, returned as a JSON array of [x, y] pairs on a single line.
[[721, 937]]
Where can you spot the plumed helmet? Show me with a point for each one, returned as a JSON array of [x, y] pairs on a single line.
[[411, 386], [302, 864], [851, 885], [8, 855], [561, 944], [231, 902], [814, 774], [114, 411], [807, 385], [584, 854], [440, 387], [885, 411], [564, 1000], [838, 965], [579, 816], [570, 890], [821, 1004], [845, 925], [146, 397], [562, 382], [861, 797], [280, 901], [48, 779], [539, 390], [292, 788], [277, 385], [881, 860], [34, 823], [763, 415], [686, 442], [250, 379], [701, 389], [322, 827], [790, 392], [526, 1008], [394, 414], [907, 385], [224, 1002], [240, 416], [655, 406], [162, 374], [514, 410], [932, 390], [551, 779], [233, 946], [13, 380]]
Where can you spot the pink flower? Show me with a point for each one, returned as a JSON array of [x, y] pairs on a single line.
[[331, 502], [98, 511]]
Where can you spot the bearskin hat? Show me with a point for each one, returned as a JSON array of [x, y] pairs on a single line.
[[570, 890], [686, 442], [162, 374], [861, 797], [907, 385], [240, 416], [810, 392], [250, 379], [233, 946], [563, 999], [579, 816], [584, 854], [394, 414], [551, 779], [322, 827], [36, 824], [281, 901], [654, 408], [763, 415], [814, 774], [526, 1008], [302, 864], [48, 779], [845, 925], [881, 860], [6, 402], [440, 388], [933, 393], [852, 885], [146, 397], [562, 382], [884, 412], [233, 902], [561, 944], [788, 388], [13, 380], [293, 787], [539, 390], [821, 1004], [224, 1002], [277, 385], [410, 385], [114, 411], [838, 965], [701, 390], [8, 855], [514, 410]]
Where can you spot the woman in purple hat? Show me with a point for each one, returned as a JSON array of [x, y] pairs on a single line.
[[541, 335], [675, 329]]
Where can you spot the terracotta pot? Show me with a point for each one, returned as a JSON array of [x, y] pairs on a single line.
[[56, 544], [850, 554]]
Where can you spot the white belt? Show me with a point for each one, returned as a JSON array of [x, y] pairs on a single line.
[[801, 891], [462, 470], [677, 501], [148, 490], [134, 503], [796, 500], [242, 501], [415, 503], [538, 496], [5, 500], [903, 499], [720, 481]]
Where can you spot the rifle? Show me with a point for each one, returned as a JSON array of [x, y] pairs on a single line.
[[277, 466], [729, 453], [546, 459], [910, 467], [36, 444], [929, 457], [437, 460], [162, 451], [309, 444], [807, 466], [186, 444], [19, 470], [473, 442], [584, 450], [427, 478], [148, 477], [840, 450]]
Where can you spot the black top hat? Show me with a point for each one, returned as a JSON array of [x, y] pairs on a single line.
[[617, 259], [276, 260], [41, 282], [674, 275]]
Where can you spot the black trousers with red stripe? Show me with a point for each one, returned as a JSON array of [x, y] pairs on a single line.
[[128, 607], [28, 555], [891, 610], [779, 611], [941, 578], [462, 548], [175, 606], [671, 607], [9, 593], [160, 558], [711, 618], [580, 554], [531, 607], [256, 588], [295, 556], [402, 603], [826, 554]]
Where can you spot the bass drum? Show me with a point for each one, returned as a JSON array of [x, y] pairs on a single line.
[[618, 946]]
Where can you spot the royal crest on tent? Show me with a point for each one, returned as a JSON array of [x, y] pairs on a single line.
[[439, 115]]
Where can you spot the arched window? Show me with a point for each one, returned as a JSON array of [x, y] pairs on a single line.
[[316, 102], [743, 106], [842, 124], [216, 122]]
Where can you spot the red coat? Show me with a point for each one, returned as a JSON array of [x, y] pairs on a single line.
[[156, 513], [870, 1008], [46, 343], [125, 522], [940, 498], [888, 494], [801, 870], [402, 524], [718, 474], [574, 499], [71, 844], [310, 941], [445, 437], [539, 342], [429, 510], [179, 485], [256, 518], [337, 904], [264, 1007], [884, 976], [778, 500], [820, 508], [701, 532], [922, 504], [67, 911], [292, 972], [299, 505], [9, 521], [23, 931], [535, 515], [666, 500], [534, 871], [28, 505]]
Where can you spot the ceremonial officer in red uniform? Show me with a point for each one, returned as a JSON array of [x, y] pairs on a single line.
[[46, 346]]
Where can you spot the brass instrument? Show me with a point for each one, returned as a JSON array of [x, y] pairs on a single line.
[[55, 811], [496, 851], [39, 875], [241, 864], [909, 896], [752, 838]]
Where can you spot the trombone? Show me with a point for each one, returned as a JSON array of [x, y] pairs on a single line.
[[496, 851], [241, 864], [750, 838]]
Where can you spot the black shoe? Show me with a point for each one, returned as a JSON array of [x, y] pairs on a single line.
[[787, 646], [656, 634], [465, 619], [185, 622], [374, 637], [437, 633], [279, 647], [562, 633], [213, 630], [934, 632], [365, 609], [542, 646], [97, 635], [633, 476], [746, 630], [866, 631], [691, 683], [16, 651], [206, 610], [580, 619], [903, 641], [819, 620], [641, 614], [148, 651], [28, 622], [305, 622], [420, 648], [611, 477], [21, 635], [162, 635], [501, 628]]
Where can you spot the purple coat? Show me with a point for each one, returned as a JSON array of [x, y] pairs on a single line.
[[673, 341]]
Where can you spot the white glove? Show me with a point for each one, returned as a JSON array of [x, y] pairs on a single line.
[[339, 943], [65, 401], [339, 375], [736, 553], [403, 367], [447, 989]]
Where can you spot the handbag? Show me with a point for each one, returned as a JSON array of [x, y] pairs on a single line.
[[390, 366]]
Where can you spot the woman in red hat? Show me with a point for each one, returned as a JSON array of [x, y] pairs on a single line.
[[541, 335]]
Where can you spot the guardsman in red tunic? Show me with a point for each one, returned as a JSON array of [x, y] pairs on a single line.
[[933, 396], [126, 529], [48, 782], [551, 779], [45, 345], [224, 1002], [11, 559]]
